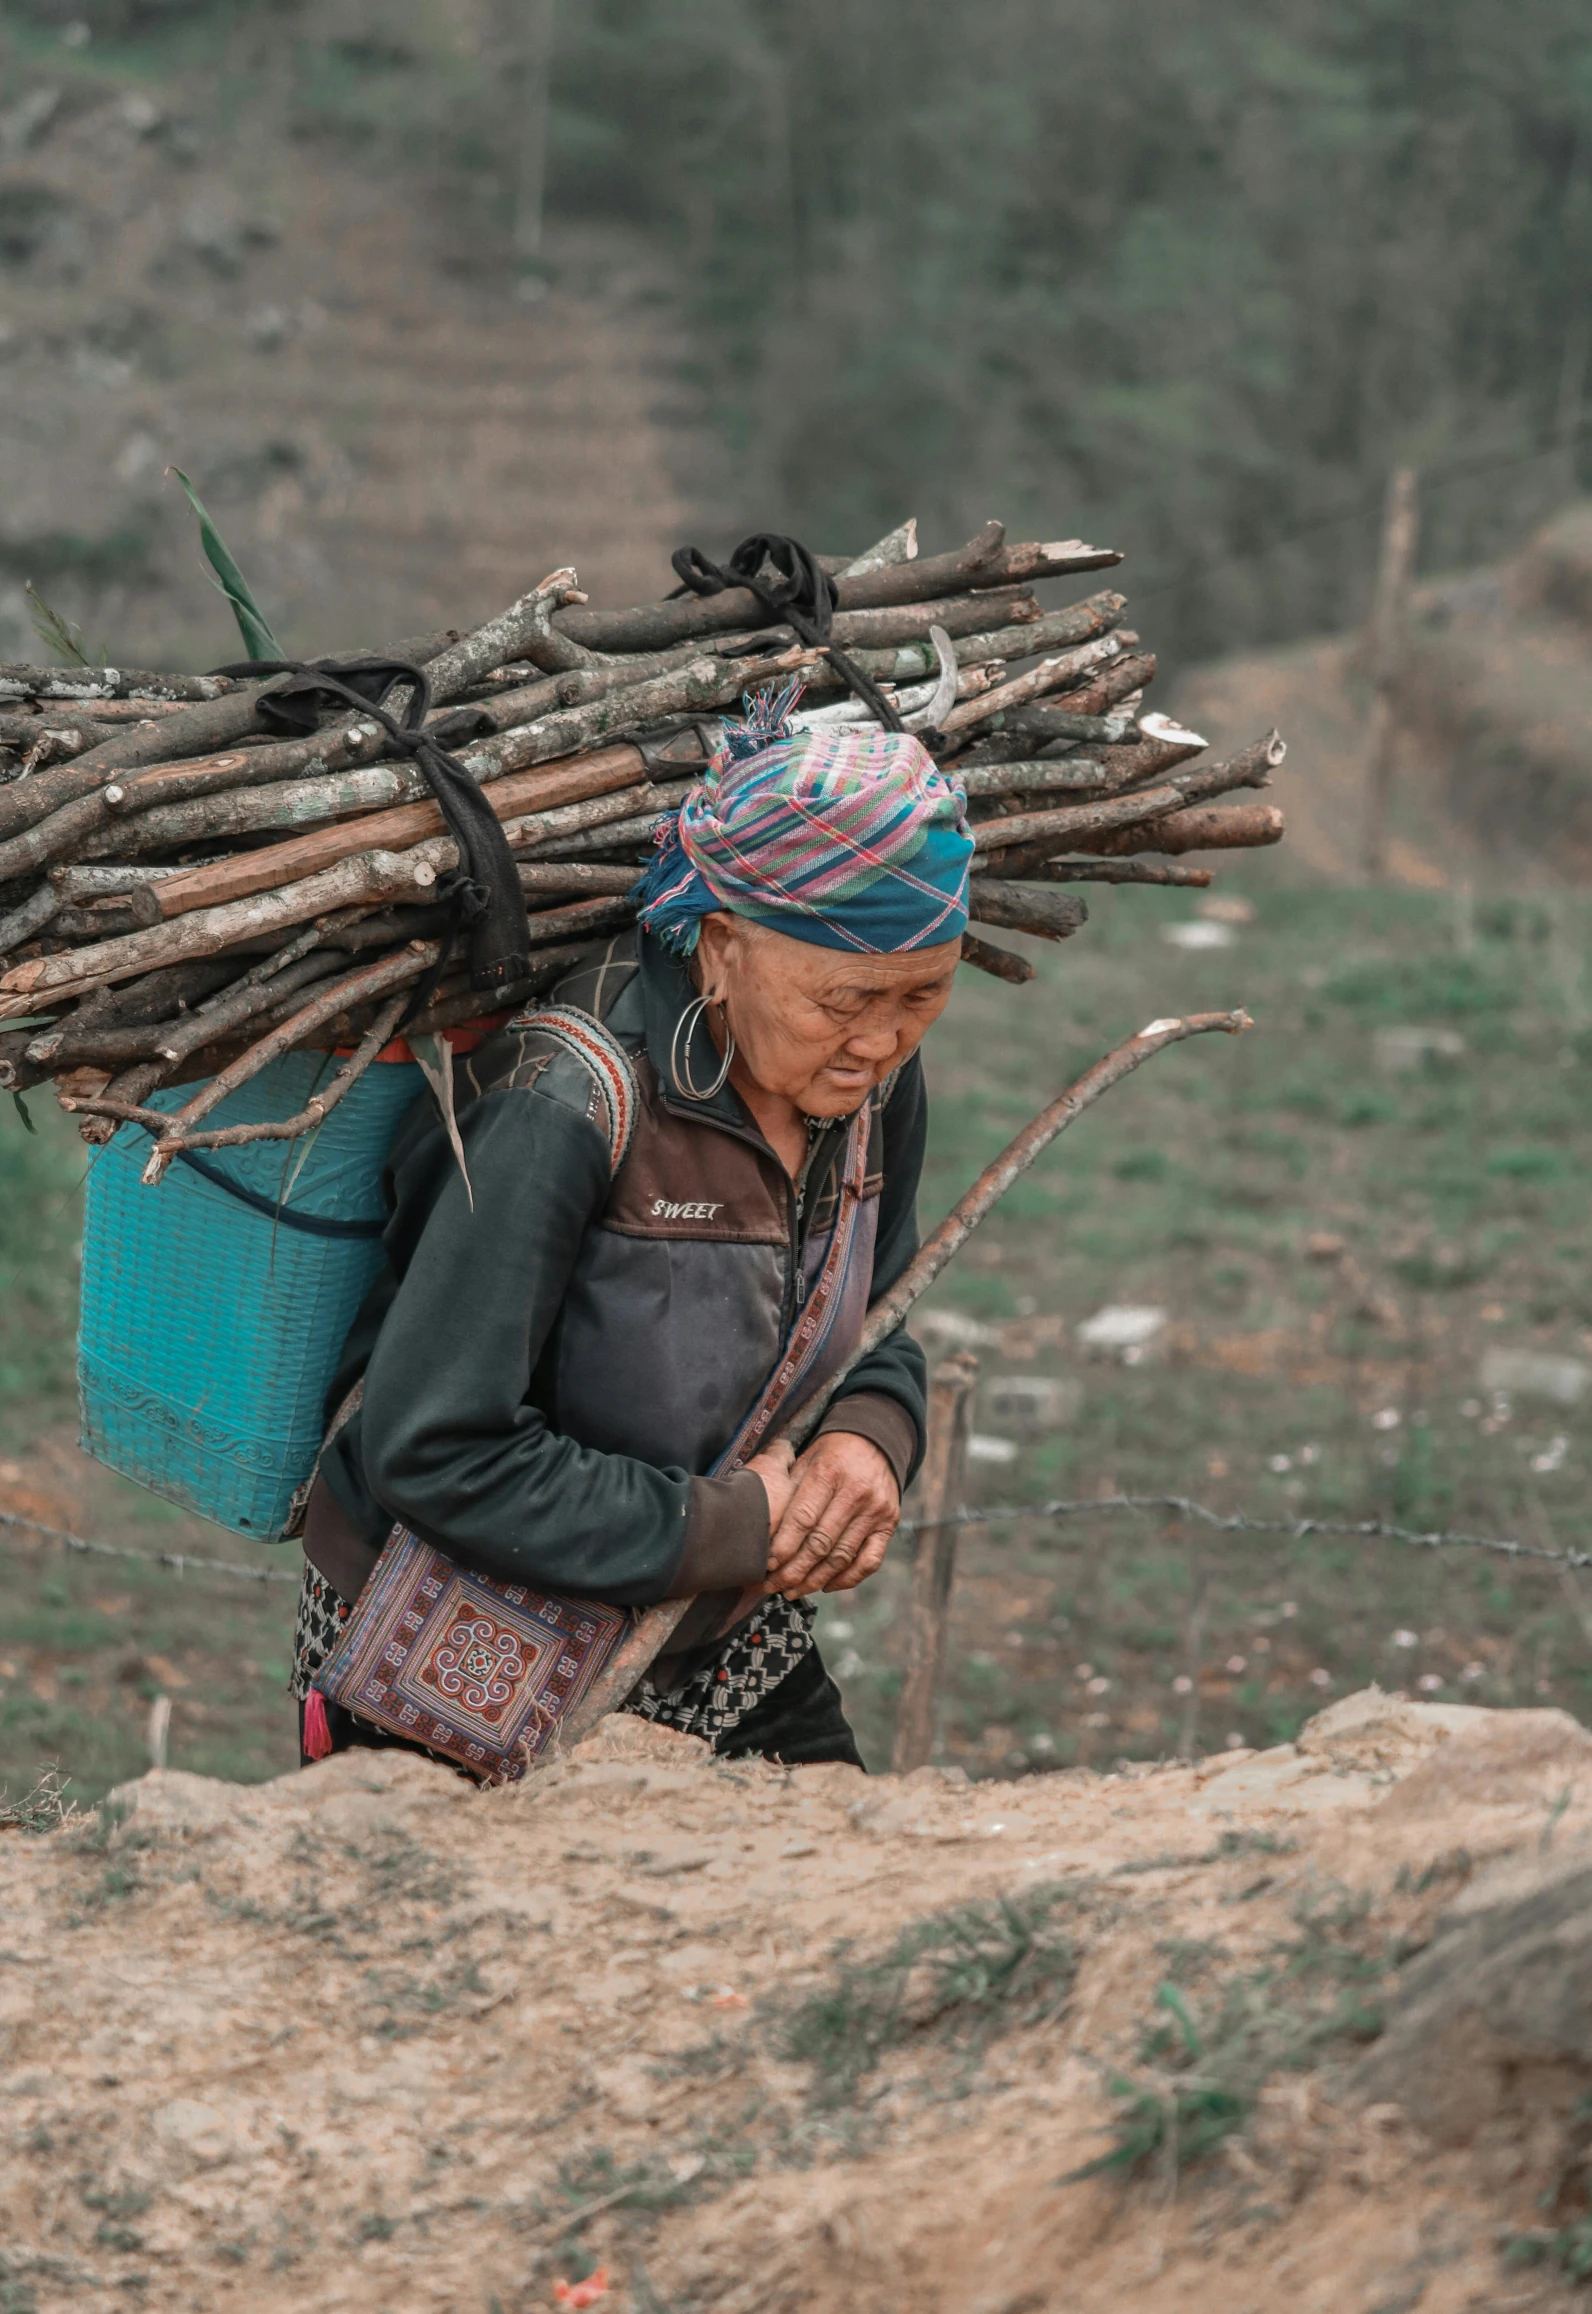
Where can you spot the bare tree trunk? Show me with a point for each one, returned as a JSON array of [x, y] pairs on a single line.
[[1578, 319], [1389, 618], [534, 74], [934, 1563]]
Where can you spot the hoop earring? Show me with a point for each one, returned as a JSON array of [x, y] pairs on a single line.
[[684, 1083]]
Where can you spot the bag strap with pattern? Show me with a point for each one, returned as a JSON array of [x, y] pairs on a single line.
[[606, 1059]]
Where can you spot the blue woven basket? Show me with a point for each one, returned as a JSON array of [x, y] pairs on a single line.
[[210, 1326]]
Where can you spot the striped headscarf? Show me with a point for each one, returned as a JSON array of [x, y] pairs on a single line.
[[851, 839]]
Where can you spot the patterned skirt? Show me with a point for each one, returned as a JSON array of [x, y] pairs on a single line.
[[754, 1659]]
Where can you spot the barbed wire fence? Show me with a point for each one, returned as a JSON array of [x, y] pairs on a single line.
[[1243, 1522], [178, 1561], [969, 1515]]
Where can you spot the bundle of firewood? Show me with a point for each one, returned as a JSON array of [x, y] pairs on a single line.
[[186, 894]]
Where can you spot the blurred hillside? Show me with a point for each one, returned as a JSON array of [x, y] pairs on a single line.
[[1495, 746], [1189, 280], [389, 438]]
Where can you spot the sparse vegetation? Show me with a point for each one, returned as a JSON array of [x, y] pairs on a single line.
[[45, 1809], [1201, 2070], [958, 1978]]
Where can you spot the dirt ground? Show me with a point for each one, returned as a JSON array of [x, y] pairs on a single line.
[[364, 2036]]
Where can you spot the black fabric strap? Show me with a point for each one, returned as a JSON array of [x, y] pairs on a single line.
[[801, 594], [311, 1224], [483, 893]]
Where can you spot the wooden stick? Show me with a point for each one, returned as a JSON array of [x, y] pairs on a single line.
[[580, 920], [115, 879], [983, 562], [700, 687], [176, 1126], [1070, 823], [1054, 674], [1242, 827], [312, 1114], [1388, 641], [915, 661], [1121, 872], [31, 918], [1042, 720], [503, 638], [174, 1041], [1119, 681], [252, 810], [654, 1629], [941, 1488], [1251, 767], [1036, 908], [654, 626], [367, 881], [1083, 773], [603, 821], [971, 1208], [217, 723], [100, 718], [999, 963], [1151, 756], [631, 835], [1009, 612], [107, 683], [614, 769], [546, 876]]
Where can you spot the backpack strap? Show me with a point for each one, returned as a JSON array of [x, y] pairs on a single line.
[[604, 1057], [613, 1072]]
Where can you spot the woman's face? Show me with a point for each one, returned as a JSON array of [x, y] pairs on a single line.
[[818, 1025]]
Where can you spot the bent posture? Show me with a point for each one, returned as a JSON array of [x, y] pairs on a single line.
[[551, 1381]]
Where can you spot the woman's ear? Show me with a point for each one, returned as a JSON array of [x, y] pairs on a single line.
[[715, 941]]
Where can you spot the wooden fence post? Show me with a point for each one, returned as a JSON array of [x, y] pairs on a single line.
[[934, 1562], [533, 66], [1389, 625]]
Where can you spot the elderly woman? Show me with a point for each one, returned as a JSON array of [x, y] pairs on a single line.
[[553, 1377]]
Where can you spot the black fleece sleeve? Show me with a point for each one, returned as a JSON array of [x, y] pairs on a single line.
[[897, 1369], [448, 1437]]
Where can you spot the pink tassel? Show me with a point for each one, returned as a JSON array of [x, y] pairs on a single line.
[[317, 1735]]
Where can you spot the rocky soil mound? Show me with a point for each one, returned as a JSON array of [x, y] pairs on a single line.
[[661, 2032]]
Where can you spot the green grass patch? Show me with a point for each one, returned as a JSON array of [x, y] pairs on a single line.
[[955, 1979], [1202, 2068]]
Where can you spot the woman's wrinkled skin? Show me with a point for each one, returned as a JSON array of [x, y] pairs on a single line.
[[815, 1030]]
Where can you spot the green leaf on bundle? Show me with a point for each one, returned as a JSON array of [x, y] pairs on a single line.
[[258, 640]]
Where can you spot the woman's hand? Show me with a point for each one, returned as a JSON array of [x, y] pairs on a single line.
[[775, 1466], [835, 1523]]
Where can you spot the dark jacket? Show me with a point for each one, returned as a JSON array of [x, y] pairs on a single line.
[[551, 1370]]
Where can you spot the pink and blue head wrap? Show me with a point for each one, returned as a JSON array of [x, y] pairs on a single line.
[[851, 839]]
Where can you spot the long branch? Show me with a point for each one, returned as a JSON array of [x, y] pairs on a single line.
[[1071, 824], [1241, 827], [652, 1632], [1037, 908], [1055, 674], [215, 724], [370, 980], [615, 768], [103, 683]]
